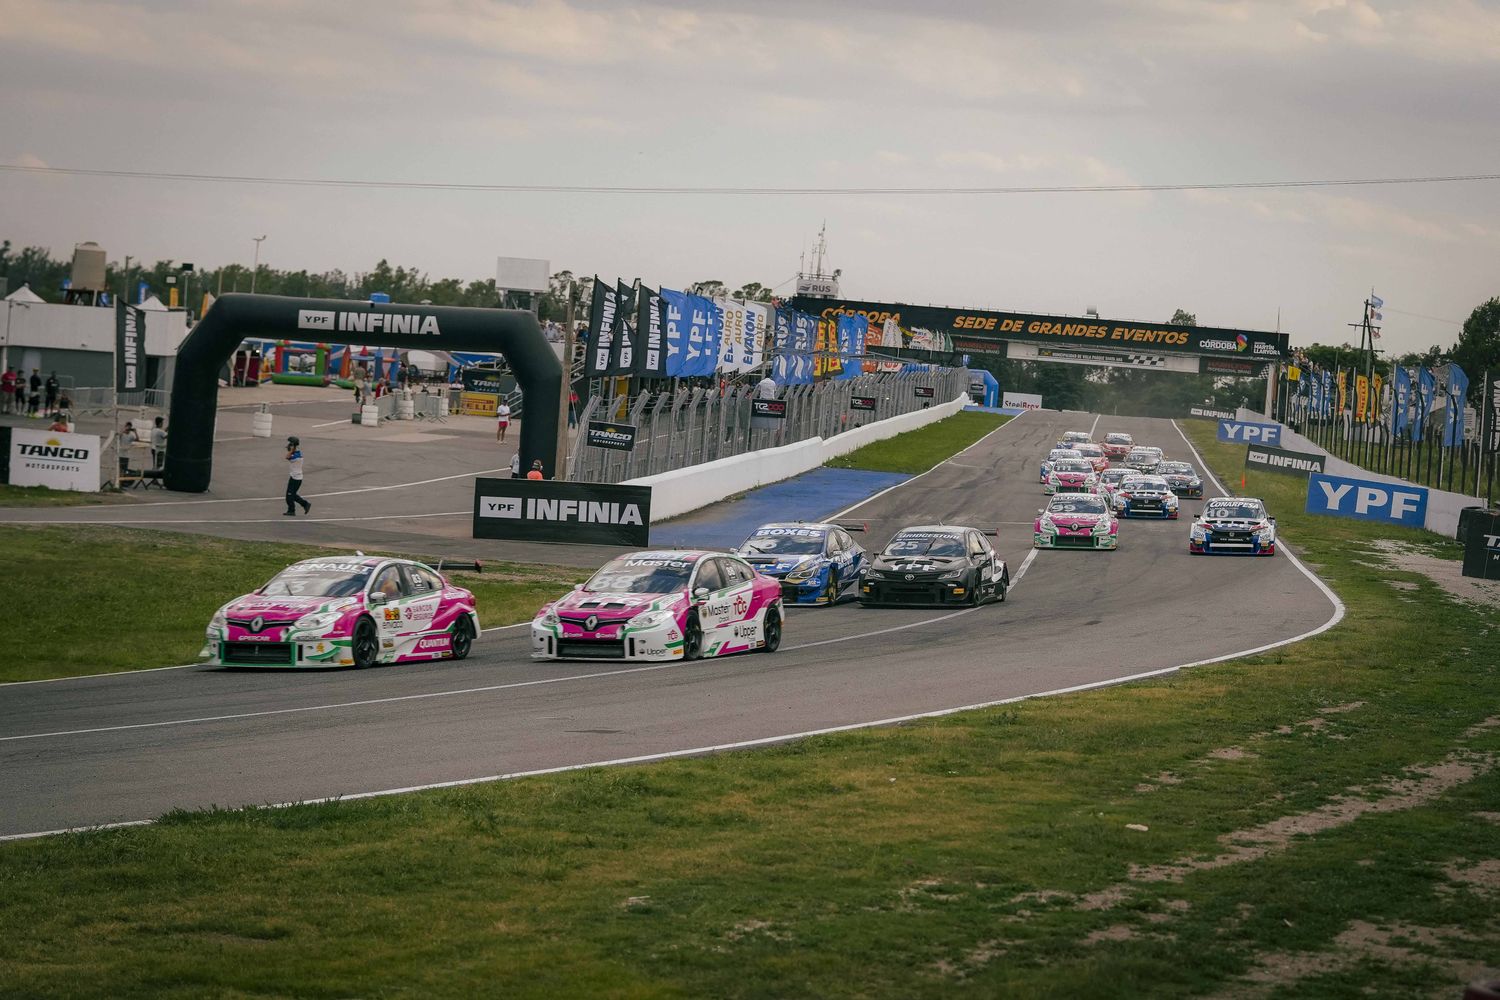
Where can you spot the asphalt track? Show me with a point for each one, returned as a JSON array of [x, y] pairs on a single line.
[[128, 747]]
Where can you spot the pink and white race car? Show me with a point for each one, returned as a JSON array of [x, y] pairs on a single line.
[[663, 605], [1076, 521], [344, 611]]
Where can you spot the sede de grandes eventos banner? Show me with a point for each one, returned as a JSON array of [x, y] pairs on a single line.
[[55, 460], [976, 330], [542, 510], [1367, 500]]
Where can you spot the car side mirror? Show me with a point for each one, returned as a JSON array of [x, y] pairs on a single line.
[[376, 597], [1040, 511], [701, 593], [577, 586]]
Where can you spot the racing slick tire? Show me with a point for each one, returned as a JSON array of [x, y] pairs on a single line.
[[365, 644], [692, 639], [771, 631], [463, 637], [1001, 587], [831, 592]]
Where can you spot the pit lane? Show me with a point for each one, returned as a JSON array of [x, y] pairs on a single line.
[[128, 747]]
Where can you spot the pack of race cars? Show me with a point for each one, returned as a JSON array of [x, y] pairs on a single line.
[[676, 604]]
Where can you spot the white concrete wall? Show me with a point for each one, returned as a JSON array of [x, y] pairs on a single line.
[[87, 328], [1442, 505], [682, 490]]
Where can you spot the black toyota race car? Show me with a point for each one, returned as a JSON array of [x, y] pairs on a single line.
[[935, 564], [1182, 477]]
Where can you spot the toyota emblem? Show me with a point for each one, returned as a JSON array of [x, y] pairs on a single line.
[[257, 623], [591, 622], [910, 577]]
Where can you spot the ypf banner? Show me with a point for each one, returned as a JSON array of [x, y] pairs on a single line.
[[1244, 432], [1367, 500], [547, 511]]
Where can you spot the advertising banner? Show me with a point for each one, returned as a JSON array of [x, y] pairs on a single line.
[[1243, 367], [130, 354], [757, 326], [601, 328], [1456, 392], [1361, 399], [852, 331], [1199, 411], [1494, 444], [804, 342], [1401, 417], [549, 511], [862, 403], [781, 345], [615, 437], [622, 350], [731, 334], [1244, 432], [1426, 393], [478, 404], [767, 414], [979, 328], [484, 380], [650, 354], [674, 307], [1021, 400], [928, 392], [705, 324], [55, 460], [1274, 459], [1366, 500]]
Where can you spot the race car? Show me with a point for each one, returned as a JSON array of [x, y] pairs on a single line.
[[1145, 496], [1071, 438], [1117, 444], [815, 563], [1182, 477], [1237, 525], [1111, 478], [935, 564], [344, 611], [1095, 454], [1143, 459], [1076, 522], [1071, 475], [662, 605], [1054, 455]]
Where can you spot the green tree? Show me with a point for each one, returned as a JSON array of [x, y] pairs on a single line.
[[753, 291], [712, 288], [1478, 347], [1183, 318]]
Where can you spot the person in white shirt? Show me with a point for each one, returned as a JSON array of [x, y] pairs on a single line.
[[766, 388], [502, 420], [158, 444], [294, 479]]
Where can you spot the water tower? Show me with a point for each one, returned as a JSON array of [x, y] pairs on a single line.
[[87, 277]]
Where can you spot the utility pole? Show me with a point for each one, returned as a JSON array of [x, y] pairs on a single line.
[[255, 268]]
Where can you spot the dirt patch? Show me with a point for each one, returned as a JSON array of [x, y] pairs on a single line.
[[1489, 817], [1161, 780], [1446, 573], [763, 928], [1480, 728], [1119, 932], [1231, 753], [973, 960], [1483, 876]]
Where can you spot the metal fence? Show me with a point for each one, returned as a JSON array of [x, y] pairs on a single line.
[[693, 425], [101, 399]]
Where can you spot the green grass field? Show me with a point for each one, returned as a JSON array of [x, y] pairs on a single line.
[[1317, 821], [919, 450], [97, 599], [41, 496]]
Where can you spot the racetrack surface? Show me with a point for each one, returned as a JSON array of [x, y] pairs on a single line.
[[128, 747]]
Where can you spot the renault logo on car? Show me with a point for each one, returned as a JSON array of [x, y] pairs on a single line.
[[591, 622], [257, 623]]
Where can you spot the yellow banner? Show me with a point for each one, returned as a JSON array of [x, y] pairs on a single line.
[[1293, 373], [825, 358], [1361, 398], [1375, 388], [1343, 391], [478, 404]]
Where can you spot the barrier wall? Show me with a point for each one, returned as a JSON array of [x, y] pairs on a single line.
[[682, 490], [1442, 505]]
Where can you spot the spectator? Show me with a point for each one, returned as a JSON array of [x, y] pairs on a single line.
[[294, 478], [536, 470], [129, 435], [572, 409], [359, 387], [65, 402], [766, 388], [8, 389], [59, 425], [158, 444], [52, 386], [502, 419], [35, 401], [515, 466]]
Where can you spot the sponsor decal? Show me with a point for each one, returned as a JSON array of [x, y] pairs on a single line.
[[616, 437], [1282, 460], [862, 403], [1366, 500], [791, 532], [928, 392], [481, 380], [478, 404], [1231, 366], [767, 409], [367, 321], [551, 511], [392, 614], [55, 460], [1021, 401], [436, 642], [130, 328], [1243, 432]]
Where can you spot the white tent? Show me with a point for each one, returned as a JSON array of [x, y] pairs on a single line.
[[24, 294], [153, 304]]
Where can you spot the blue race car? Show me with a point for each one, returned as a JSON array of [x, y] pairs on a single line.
[[816, 563]]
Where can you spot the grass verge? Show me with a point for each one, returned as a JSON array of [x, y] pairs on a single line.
[[919, 450], [41, 496], [1320, 820], [97, 599]]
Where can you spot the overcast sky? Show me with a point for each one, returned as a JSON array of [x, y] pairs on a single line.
[[942, 94]]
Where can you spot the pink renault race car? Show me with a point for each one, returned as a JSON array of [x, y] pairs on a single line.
[[662, 605], [1076, 521], [343, 611]]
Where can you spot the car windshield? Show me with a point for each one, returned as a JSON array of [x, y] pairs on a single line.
[[925, 543], [1076, 505], [1177, 469], [1237, 510], [1071, 465], [1118, 438], [784, 542], [1075, 435], [1090, 451], [1116, 475], [1137, 453], [1144, 484], [1057, 453], [642, 574], [318, 579]]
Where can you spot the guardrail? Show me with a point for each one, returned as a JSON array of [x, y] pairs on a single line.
[[102, 399]]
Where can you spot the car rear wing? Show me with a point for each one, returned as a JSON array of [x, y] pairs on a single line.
[[467, 565], [853, 525]]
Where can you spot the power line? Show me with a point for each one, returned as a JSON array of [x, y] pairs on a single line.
[[1435, 319], [606, 189]]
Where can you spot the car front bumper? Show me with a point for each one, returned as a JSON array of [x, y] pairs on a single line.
[[931, 593], [550, 642]]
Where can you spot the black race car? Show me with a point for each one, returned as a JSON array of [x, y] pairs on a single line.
[[935, 564], [1182, 477]]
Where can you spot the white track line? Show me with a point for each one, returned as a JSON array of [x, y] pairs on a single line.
[[1095, 425], [1338, 615], [908, 482]]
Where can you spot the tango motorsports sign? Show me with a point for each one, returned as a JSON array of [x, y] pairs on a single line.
[[1084, 340]]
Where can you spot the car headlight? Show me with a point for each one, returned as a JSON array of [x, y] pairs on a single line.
[[874, 574], [218, 622], [1101, 527], [1198, 533], [650, 619], [953, 574], [316, 622], [1047, 526], [548, 618], [804, 570]]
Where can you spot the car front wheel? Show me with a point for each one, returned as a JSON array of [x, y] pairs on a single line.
[[366, 644], [692, 640]]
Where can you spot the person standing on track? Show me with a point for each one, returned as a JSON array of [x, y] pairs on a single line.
[[294, 479], [502, 419]]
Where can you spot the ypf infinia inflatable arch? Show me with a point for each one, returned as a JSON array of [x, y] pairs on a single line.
[[236, 316]]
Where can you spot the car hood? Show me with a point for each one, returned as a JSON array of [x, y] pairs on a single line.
[[280, 608], [609, 605], [780, 564], [1238, 523], [1076, 520], [919, 564]]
